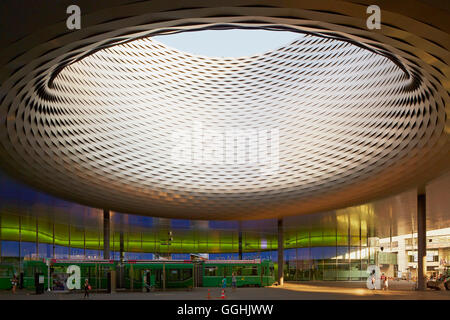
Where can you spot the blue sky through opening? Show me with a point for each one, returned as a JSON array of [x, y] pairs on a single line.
[[228, 43]]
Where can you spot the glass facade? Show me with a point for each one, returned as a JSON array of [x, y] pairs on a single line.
[[336, 249], [335, 245], [325, 255]]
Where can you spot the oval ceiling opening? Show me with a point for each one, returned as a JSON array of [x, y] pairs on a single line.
[[156, 129], [228, 43]]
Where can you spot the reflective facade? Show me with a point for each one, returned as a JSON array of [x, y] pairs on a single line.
[[335, 245], [361, 133]]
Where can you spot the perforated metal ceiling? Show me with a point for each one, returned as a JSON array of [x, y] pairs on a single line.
[[351, 120]]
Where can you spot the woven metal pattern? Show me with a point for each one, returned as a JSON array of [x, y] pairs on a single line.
[[99, 128]]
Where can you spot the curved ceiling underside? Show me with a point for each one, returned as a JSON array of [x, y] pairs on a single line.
[[90, 115]]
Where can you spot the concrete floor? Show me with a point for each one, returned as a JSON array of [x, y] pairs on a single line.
[[290, 291]]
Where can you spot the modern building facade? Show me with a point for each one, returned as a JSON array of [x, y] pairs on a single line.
[[327, 155], [334, 245]]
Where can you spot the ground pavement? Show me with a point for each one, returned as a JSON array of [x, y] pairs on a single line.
[[403, 290]]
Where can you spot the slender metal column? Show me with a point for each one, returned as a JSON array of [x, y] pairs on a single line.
[[0, 239], [37, 238], [121, 249], [240, 240], [349, 245], [421, 241], [131, 275], [296, 257], [69, 240], [280, 252], [121, 258], [106, 233], [336, 247], [84, 242], [53, 241], [311, 274], [20, 244], [360, 245], [164, 276], [194, 277]]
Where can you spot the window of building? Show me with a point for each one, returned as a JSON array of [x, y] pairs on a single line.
[[237, 270], [250, 271], [211, 271]]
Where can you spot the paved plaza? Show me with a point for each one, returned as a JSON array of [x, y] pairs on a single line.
[[402, 290]]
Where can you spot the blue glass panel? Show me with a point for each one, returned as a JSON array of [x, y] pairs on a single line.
[[342, 250], [269, 255], [45, 250], [77, 253], [61, 252], [92, 254], [289, 254], [180, 224], [115, 255], [303, 254], [10, 248], [223, 256], [28, 249], [317, 253], [138, 256], [181, 256], [223, 225], [251, 255]]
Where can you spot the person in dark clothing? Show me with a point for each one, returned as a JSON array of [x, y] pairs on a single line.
[[14, 282], [87, 288]]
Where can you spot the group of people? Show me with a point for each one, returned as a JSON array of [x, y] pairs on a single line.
[[233, 281], [383, 279], [384, 282], [15, 283]]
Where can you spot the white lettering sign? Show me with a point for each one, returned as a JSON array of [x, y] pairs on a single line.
[[74, 20], [373, 21], [73, 281]]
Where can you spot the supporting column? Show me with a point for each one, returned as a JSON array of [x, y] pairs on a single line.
[[53, 241], [164, 276], [280, 252], [121, 250], [0, 239], [122, 258], [106, 233], [84, 242], [421, 241], [69, 239], [240, 240], [131, 276], [37, 238], [20, 245]]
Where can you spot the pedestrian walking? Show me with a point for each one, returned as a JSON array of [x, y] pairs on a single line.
[[373, 280], [384, 281], [14, 283], [87, 288], [233, 281], [224, 282]]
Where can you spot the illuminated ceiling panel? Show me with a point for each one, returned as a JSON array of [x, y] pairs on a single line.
[[330, 120]]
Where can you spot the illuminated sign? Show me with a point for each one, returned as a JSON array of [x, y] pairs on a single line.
[[73, 281]]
